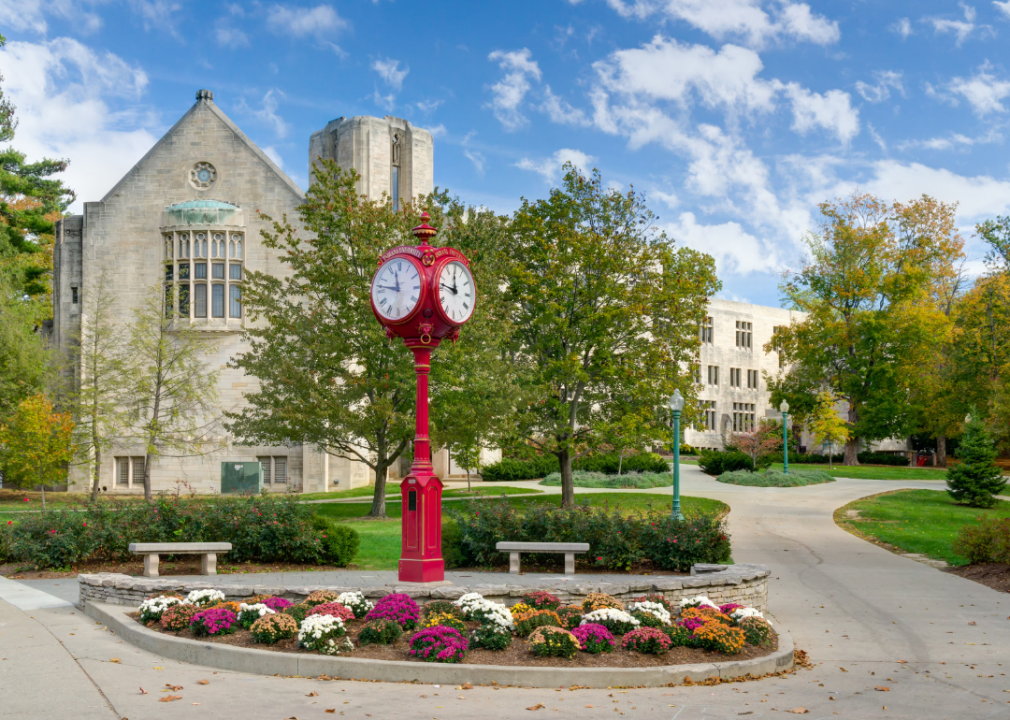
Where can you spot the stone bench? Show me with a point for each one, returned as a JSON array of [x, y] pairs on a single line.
[[207, 550], [568, 549]]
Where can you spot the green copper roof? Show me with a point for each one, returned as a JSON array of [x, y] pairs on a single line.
[[202, 212]]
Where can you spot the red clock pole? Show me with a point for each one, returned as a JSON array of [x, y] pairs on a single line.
[[422, 294]]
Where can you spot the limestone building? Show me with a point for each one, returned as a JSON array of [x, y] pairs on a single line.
[[187, 216]]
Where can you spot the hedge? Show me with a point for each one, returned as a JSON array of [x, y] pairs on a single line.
[[260, 529], [543, 465], [617, 540], [717, 462]]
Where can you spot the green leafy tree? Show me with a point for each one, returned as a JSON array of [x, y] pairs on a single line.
[[25, 360], [35, 442], [604, 312], [99, 366], [827, 426], [328, 375], [866, 291], [30, 203], [170, 388], [976, 479]]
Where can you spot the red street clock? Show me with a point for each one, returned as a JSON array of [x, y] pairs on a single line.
[[422, 294]]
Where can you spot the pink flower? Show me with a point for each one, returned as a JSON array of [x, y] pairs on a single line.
[[10, 522], [85, 524], [27, 500]]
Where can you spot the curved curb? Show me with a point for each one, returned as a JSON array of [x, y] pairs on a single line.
[[266, 662]]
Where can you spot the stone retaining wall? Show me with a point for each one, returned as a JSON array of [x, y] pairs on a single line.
[[744, 584]]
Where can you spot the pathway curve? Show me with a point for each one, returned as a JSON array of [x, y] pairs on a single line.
[[868, 619]]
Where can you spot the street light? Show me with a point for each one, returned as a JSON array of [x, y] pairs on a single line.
[[676, 405], [784, 407]]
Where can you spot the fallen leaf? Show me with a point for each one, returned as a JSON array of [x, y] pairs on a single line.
[[973, 623], [115, 660], [170, 698], [843, 669], [196, 703], [203, 682], [903, 662], [159, 668], [589, 706], [798, 711], [175, 688], [538, 706], [143, 691], [465, 686], [313, 694], [881, 688]]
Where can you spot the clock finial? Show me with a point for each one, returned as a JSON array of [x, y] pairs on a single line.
[[424, 231]]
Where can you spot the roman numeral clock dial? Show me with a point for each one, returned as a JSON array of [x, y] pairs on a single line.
[[396, 289], [456, 293]]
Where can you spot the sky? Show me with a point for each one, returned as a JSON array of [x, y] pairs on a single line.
[[735, 118]]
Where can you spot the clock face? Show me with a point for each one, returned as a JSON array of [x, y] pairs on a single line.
[[396, 289], [456, 292]]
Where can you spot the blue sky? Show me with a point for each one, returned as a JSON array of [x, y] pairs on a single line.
[[736, 118]]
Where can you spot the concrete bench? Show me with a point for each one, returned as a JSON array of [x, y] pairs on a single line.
[[568, 549], [207, 550]]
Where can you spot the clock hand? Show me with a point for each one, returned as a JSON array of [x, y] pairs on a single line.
[[388, 287], [453, 288]]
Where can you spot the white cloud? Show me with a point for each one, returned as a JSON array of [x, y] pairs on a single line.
[[427, 106], [389, 71], [300, 22], [1003, 7], [267, 113], [229, 36], [562, 113], [550, 168], [476, 158], [157, 15], [831, 111], [978, 197], [30, 15], [271, 152], [983, 91], [386, 102], [953, 141], [734, 249], [511, 90], [667, 70], [744, 19], [886, 80], [62, 91], [437, 131], [669, 199], [960, 28], [903, 27]]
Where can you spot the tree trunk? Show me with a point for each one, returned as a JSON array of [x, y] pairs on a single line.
[[941, 451], [98, 473], [851, 452], [620, 463], [148, 495], [379, 497], [468, 488], [567, 483]]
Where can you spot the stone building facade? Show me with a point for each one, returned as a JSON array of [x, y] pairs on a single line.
[[187, 214]]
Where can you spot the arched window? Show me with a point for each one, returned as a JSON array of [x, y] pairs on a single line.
[[198, 292]]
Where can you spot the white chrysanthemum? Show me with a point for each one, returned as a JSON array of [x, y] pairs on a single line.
[[154, 608], [315, 627], [205, 597], [469, 599], [654, 609], [608, 615], [698, 601], [354, 599], [258, 608], [741, 613]]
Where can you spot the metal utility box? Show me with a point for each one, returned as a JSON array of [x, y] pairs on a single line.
[[242, 478]]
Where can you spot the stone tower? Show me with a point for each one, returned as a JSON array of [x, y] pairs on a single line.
[[391, 155]]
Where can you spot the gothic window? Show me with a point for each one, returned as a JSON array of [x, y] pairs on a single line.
[[394, 174], [192, 289]]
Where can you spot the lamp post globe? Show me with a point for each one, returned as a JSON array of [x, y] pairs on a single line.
[[676, 406], [784, 407]]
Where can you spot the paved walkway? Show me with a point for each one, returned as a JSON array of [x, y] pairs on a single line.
[[868, 619]]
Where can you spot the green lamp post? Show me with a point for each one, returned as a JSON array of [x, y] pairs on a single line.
[[784, 407], [676, 405]]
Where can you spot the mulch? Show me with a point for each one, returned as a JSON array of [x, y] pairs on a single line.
[[994, 575], [517, 654]]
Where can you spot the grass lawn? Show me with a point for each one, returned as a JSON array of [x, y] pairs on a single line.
[[873, 472], [916, 521], [380, 539], [394, 492]]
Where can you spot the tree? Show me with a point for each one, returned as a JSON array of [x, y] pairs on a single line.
[[866, 290], [30, 203], [604, 312], [36, 444], [99, 366], [328, 375], [759, 442], [976, 480], [170, 388], [25, 361], [826, 424]]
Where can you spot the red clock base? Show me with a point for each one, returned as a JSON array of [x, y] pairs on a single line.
[[422, 571]]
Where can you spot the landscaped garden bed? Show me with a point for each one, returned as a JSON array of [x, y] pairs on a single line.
[[538, 632], [775, 478]]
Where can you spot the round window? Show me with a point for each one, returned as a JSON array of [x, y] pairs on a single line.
[[202, 175]]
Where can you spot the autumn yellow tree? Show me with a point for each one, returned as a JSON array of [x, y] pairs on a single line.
[[826, 425], [35, 443], [867, 291]]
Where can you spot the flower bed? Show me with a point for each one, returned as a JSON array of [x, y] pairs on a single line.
[[489, 633]]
